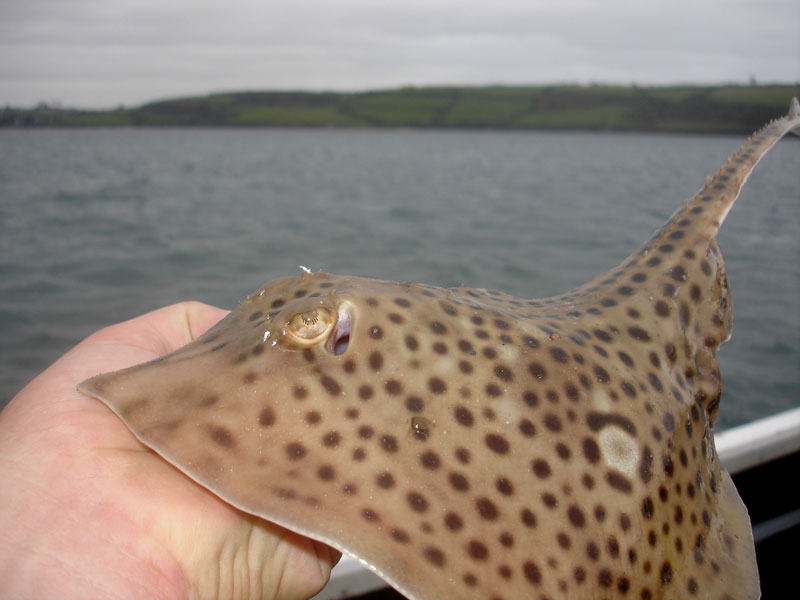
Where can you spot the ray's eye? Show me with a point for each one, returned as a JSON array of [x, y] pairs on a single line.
[[311, 325], [319, 324]]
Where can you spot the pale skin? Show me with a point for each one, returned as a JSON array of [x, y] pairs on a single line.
[[86, 511]]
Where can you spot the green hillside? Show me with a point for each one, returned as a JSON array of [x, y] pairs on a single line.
[[707, 109]]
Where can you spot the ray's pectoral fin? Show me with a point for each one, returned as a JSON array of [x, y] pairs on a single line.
[[730, 542]]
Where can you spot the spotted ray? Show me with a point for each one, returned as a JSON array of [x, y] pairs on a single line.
[[468, 444]]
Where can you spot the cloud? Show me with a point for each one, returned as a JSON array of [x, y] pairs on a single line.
[[92, 53]]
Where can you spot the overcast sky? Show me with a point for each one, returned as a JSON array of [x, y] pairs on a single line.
[[105, 53]]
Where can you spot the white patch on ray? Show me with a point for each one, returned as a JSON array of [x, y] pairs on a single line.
[[619, 449]]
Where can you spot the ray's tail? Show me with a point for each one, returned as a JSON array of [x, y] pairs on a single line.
[[713, 202]]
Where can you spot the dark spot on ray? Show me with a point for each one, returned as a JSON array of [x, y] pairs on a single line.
[[504, 486], [532, 573], [389, 443], [493, 390], [625, 358], [666, 572], [530, 341], [602, 335], [600, 513], [462, 455], [618, 481], [527, 428], [453, 521], [638, 333], [326, 473], [463, 416], [537, 370], [501, 324], [486, 509], [559, 354], [396, 318], [604, 578], [661, 308], [597, 421], [601, 374], [385, 480], [458, 481], [477, 550], [465, 346], [438, 328], [591, 450], [434, 556], [592, 551], [414, 404], [365, 392], [503, 373], [417, 502], [402, 302], [295, 450], [313, 417], [375, 360], [437, 385], [393, 387], [576, 516], [300, 392], [497, 443], [376, 332], [528, 518], [552, 422], [447, 308], [654, 261], [331, 439], [330, 385], [222, 436], [678, 273], [411, 343], [541, 468], [430, 460]]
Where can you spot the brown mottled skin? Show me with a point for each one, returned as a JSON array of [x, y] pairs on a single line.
[[469, 444]]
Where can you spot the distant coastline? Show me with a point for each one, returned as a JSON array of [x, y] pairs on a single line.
[[696, 109]]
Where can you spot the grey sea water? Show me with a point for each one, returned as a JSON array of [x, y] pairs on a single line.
[[97, 226]]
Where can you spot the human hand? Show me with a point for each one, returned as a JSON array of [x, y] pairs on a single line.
[[87, 511]]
